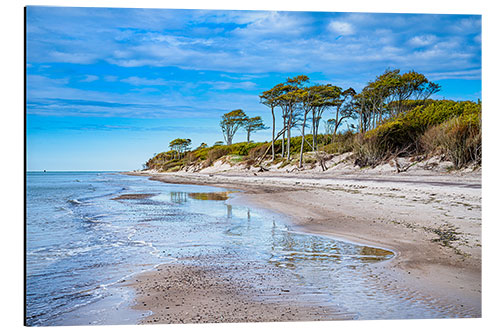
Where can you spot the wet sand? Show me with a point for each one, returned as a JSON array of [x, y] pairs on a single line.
[[432, 223], [200, 294]]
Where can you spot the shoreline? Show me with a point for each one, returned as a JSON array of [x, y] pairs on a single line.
[[433, 226]]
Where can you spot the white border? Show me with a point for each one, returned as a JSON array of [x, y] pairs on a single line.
[[12, 159]]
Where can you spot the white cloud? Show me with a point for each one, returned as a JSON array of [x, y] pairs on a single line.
[[73, 58], [342, 28], [226, 85], [90, 78], [262, 42], [423, 40], [274, 24], [468, 24], [110, 78], [230, 16], [141, 81], [472, 74]]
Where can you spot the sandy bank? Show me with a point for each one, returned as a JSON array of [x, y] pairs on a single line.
[[432, 222]]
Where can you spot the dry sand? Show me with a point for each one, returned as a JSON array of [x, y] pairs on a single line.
[[432, 221]]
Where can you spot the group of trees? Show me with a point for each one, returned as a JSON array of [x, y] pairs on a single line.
[[179, 147], [235, 119], [302, 106], [230, 123], [388, 96]]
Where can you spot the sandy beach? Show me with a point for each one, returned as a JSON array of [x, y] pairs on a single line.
[[430, 220]]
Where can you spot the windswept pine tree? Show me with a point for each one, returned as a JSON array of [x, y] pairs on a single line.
[[180, 146], [388, 95], [252, 125], [231, 122], [270, 99]]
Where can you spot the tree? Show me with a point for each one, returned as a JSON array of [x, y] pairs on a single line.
[[307, 97], [329, 126], [270, 99], [289, 103], [327, 96], [389, 95], [180, 146], [230, 123], [345, 108], [252, 125]]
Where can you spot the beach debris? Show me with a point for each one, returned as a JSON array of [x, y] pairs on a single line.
[[262, 169]]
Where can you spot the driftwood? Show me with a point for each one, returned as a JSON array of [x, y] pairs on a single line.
[[401, 168], [262, 169], [321, 160]]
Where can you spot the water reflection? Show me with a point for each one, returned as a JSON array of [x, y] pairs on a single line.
[[372, 254], [245, 230], [178, 197], [217, 196], [290, 249]]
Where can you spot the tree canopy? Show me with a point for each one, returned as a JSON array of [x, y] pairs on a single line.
[[231, 122], [180, 146], [252, 125]]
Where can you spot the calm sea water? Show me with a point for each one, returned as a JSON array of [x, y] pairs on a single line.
[[81, 241]]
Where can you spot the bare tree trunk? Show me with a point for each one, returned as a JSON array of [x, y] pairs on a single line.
[[314, 130], [303, 138], [283, 139], [289, 135], [362, 110], [248, 136], [269, 147], [374, 116], [337, 125], [274, 129]]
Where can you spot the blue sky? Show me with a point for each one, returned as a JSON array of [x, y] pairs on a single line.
[[108, 88]]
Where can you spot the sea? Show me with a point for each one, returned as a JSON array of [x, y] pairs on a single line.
[[86, 232]]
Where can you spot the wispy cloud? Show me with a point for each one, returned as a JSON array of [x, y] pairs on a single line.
[[423, 40], [342, 28], [141, 81], [249, 41], [90, 78], [471, 74], [271, 24]]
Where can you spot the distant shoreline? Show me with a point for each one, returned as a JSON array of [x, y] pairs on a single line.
[[432, 221]]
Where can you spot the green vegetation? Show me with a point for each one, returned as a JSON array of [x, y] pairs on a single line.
[[449, 127], [394, 115]]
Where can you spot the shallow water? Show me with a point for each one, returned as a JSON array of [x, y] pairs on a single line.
[[80, 243]]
